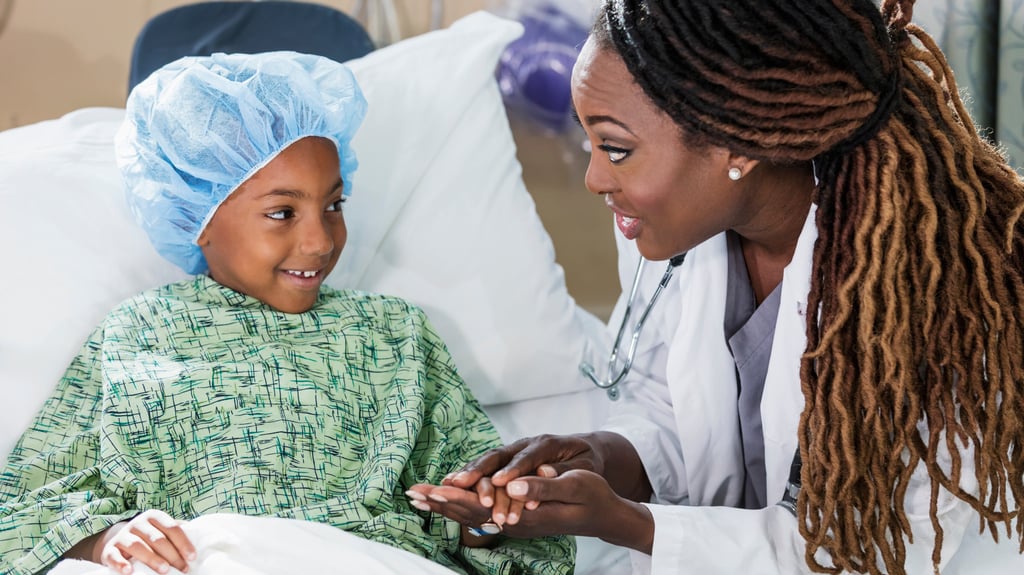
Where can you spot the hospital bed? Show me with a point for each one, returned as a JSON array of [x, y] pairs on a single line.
[[439, 215]]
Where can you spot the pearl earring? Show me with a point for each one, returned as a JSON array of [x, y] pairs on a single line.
[[735, 174]]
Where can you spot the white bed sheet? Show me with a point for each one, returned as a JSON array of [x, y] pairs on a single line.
[[239, 545]]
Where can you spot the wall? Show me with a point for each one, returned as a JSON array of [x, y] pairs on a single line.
[[60, 55]]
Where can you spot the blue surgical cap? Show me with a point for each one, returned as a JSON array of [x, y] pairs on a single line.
[[199, 127]]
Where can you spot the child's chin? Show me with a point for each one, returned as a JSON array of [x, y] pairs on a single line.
[[293, 306]]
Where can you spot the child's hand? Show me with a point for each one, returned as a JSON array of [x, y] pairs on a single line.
[[464, 507], [153, 538], [472, 507]]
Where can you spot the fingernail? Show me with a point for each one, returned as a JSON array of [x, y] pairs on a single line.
[[415, 495], [513, 518], [192, 556], [498, 518], [460, 476], [449, 477], [438, 498], [546, 471], [486, 501], [420, 505], [517, 488], [163, 568]]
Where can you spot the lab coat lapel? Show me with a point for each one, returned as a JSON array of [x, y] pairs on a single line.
[[783, 398], [703, 380]]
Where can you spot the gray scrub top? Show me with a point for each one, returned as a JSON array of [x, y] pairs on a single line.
[[749, 331]]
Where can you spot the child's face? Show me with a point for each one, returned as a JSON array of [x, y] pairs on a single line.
[[280, 233]]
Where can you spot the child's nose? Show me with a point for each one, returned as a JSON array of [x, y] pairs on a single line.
[[316, 239]]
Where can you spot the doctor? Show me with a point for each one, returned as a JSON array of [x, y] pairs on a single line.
[[851, 295]]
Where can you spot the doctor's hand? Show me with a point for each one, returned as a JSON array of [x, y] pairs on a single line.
[[557, 453], [605, 453], [153, 538], [580, 502]]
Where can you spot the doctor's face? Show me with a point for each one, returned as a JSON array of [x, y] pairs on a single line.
[[666, 195], [280, 233]]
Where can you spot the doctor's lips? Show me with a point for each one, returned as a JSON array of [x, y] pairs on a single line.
[[629, 226]]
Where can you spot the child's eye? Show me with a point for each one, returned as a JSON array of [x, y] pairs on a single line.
[[336, 205], [615, 155], [281, 214]]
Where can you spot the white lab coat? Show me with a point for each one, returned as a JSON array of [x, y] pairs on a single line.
[[679, 409]]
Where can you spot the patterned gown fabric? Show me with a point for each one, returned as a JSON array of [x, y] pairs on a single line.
[[196, 399]]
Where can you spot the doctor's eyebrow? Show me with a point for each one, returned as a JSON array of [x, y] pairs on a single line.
[[591, 120]]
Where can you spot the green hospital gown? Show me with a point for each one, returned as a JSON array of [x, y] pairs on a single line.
[[196, 399]]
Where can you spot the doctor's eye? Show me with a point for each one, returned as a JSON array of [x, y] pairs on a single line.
[[615, 155]]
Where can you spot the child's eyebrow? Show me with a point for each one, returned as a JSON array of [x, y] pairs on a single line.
[[299, 194]]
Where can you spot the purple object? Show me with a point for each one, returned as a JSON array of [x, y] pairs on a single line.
[[535, 70]]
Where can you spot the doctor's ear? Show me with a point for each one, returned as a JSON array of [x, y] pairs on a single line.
[[731, 165], [740, 166]]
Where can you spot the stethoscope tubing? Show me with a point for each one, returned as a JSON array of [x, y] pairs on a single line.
[[611, 383]]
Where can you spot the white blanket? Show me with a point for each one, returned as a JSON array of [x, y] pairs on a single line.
[[239, 545]]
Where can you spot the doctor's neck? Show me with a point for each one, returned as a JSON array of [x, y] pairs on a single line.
[[778, 199]]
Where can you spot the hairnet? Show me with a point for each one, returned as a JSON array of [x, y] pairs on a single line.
[[199, 127]]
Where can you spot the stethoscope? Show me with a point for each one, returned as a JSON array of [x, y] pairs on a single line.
[[611, 384]]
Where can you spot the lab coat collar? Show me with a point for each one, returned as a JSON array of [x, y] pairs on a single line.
[[704, 388]]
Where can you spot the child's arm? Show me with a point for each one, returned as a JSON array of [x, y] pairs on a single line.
[[153, 538]]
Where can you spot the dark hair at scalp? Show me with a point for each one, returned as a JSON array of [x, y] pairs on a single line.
[[916, 352]]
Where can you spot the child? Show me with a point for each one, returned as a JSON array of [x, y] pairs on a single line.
[[251, 388]]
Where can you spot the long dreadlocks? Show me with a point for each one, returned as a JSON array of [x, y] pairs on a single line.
[[916, 352]]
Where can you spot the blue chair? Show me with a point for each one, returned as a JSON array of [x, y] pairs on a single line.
[[204, 28]]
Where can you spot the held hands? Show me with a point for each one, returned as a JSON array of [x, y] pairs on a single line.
[[548, 485], [560, 453], [153, 538]]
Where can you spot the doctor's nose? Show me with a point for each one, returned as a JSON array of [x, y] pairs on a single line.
[[598, 177]]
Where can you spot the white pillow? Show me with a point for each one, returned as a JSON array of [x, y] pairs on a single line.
[[468, 245], [439, 215]]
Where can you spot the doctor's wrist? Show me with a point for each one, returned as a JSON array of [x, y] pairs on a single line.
[[632, 526], [620, 465]]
